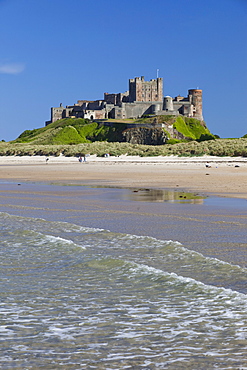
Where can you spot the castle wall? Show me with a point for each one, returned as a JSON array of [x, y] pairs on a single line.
[[94, 114], [183, 107], [110, 98], [97, 104], [116, 99], [136, 109]]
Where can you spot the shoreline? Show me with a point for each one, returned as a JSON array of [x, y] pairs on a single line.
[[215, 176]]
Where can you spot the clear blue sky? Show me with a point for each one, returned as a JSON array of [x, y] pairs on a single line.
[[60, 51]]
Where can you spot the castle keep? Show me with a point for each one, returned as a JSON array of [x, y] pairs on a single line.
[[142, 98]]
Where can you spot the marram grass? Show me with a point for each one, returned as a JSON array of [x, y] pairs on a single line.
[[219, 147]]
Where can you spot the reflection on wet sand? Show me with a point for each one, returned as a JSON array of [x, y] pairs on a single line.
[[157, 195]]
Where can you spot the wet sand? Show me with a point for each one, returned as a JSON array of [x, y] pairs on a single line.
[[215, 227]]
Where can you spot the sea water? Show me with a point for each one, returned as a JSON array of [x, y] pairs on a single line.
[[77, 297]]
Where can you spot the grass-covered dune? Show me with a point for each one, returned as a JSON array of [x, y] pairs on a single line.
[[219, 147], [78, 130], [71, 131]]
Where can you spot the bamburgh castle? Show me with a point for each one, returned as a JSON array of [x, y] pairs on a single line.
[[143, 98]]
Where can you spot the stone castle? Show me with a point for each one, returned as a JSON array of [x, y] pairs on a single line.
[[143, 98]]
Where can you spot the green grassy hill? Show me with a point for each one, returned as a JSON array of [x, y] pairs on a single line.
[[192, 128], [77, 130], [71, 131]]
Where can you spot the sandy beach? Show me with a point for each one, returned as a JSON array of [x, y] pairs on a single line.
[[222, 176]]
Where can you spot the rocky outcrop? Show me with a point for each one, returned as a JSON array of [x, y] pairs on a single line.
[[144, 135]]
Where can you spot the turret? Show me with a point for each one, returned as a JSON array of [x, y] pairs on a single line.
[[195, 96], [168, 103]]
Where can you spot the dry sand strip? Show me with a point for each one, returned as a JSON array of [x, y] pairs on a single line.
[[224, 176], [5, 160]]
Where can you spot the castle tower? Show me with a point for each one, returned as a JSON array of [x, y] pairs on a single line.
[[159, 89], [145, 91], [195, 96]]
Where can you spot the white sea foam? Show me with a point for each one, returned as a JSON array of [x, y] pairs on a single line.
[[176, 250], [178, 247], [4, 330], [6, 215], [155, 243], [97, 345], [61, 332], [127, 334], [53, 225], [20, 347], [182, 251], [154, 274], [68, 227], [58, 239], [38, 238], [212, 260]]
